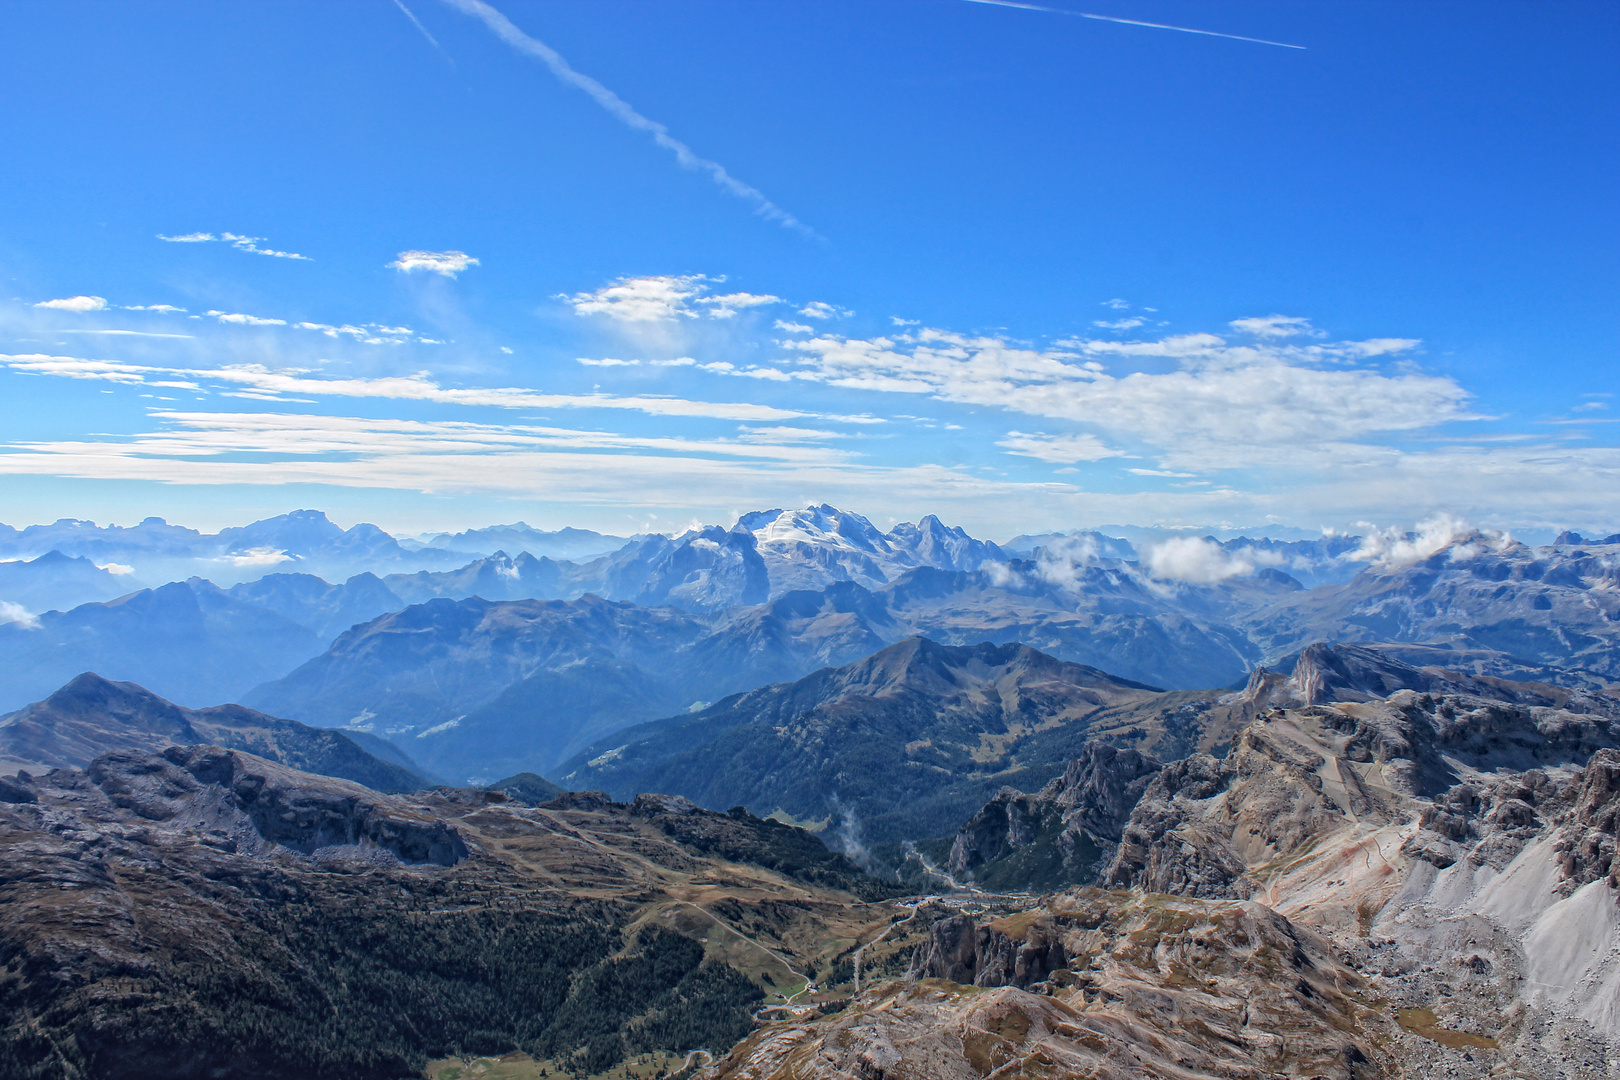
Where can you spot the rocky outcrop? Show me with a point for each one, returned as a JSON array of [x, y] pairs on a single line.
[[1588, 844], [256, 806], [1063, 834], [1167, 848], [963, 951], [1149, 988], [201, 913], [1390, 880]]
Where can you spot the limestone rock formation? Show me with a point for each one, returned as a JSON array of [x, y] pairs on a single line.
[[1064, 834], [1398, 872], [962, 951]]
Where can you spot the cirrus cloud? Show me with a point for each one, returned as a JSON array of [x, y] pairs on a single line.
[[1058, 449], [235, 240]]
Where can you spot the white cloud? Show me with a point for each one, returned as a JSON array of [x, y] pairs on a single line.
[[1275, 326], [1120, 324], [641, 299], [607, 361], [724, 307], [583, 467], [1058, 449], [115, 569], [1116, 303], [76, 303], [820, 309], [1200, 561], [1377, 347], [793, 327], [244, 320], [625, 114], [165, 309], [236, 240], [447, 263], [1222, 406], [417, 387], [1395, 549], [259, 556], [662, 298], [16, 615], [898, 321], [784, 434], [120, 333], [194, 438]]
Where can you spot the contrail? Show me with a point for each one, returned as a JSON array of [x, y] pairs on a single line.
[[1133, 22], [411, 15], [613, 103]]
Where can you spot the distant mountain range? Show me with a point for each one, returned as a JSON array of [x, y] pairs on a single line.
[[55, 580], [770, 599], [92, 716], [568, 543]]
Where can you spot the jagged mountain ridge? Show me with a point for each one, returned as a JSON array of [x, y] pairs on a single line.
[[1102, 614], [1068, 832], [92, 716], [566, 543], [491, 668], [518, 685], [902, 744], [1413, 882], [304, 538], [1085, 606], [1556, 606]]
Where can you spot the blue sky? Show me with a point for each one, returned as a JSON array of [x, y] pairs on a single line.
[[1021, 269]]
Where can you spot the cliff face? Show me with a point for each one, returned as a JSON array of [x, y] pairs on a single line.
[[1064, 834], [255, 804], [965, 952], [1378, 879]]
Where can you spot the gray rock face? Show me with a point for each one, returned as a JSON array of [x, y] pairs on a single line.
[[963, 951], [1063, 834], [1164, 847], [1594, 819], [241, 803]]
